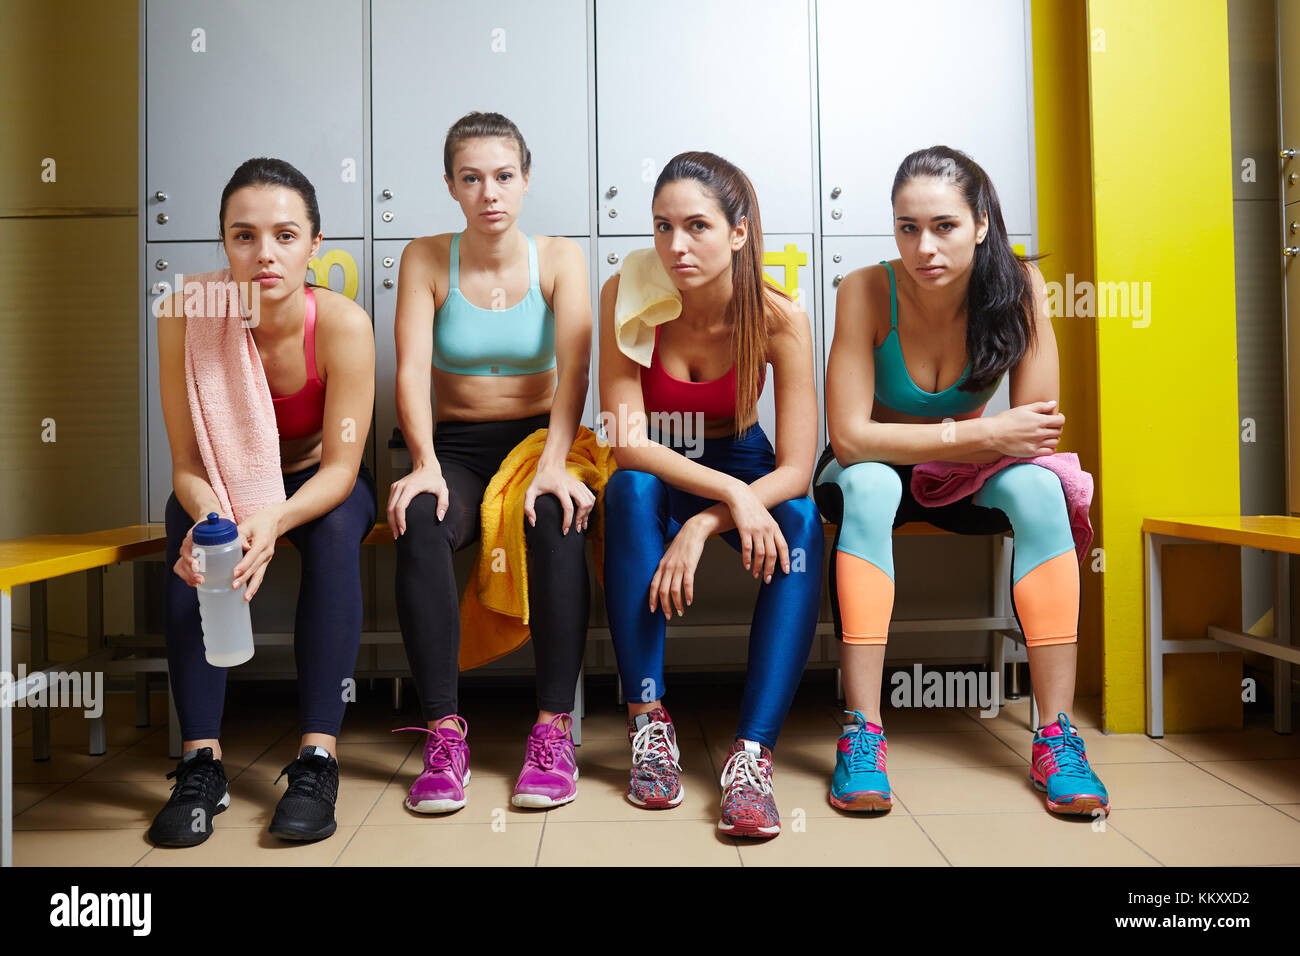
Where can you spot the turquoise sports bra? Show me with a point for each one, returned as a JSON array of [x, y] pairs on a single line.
[[468, 340], [895, 388]]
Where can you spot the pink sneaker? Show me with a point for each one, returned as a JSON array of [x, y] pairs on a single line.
[[441, 787], [550, 774]]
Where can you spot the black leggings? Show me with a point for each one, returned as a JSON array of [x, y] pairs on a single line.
[[327, 628], [428, 607]]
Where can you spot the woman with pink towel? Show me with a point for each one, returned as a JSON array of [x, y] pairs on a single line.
[[267, 417], [908, 444]]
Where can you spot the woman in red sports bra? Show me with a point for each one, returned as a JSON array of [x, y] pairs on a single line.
[[662, 504], [318, 352]]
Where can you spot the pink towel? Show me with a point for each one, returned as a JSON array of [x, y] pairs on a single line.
[[936, 483], [230, 400]]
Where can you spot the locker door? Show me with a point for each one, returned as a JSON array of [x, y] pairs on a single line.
[[432, 63], [1288, 59], [340, 260], [787, 259], [226, 82], [844, 254], [896, 77], [734, 80]]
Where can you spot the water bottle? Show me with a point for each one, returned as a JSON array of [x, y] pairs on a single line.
[[227, 627]]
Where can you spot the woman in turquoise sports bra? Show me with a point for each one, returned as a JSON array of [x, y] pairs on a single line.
[[499, 372], [921, 343]]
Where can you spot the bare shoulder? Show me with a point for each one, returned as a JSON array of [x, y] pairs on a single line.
[[337, 315], [559, 254], [864, 293], [609, 291], [1036, 279], [428, 252]]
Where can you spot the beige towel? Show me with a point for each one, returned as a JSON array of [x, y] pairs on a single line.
[[230, 400], [646, 298]]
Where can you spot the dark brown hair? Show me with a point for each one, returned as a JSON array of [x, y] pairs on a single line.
[[752, 314]]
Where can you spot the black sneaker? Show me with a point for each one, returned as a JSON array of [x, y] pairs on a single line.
[[306, 811], [201, 792]]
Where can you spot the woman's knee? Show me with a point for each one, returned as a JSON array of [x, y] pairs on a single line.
[[872, 493], [800, 523], [549, 526], [1030, 495], [628, 492]]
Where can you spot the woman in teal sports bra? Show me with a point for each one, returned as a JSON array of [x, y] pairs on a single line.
[[921, 344], [498, 324]]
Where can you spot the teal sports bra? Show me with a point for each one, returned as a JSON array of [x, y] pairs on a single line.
[[895, 388], [468, 340]]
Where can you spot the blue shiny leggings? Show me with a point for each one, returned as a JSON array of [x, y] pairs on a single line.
[[643, 514], [327, 629]]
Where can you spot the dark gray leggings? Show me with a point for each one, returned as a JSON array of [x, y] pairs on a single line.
[[428, 604]]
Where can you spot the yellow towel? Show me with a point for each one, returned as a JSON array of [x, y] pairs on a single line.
[[646, 298], [494, 607]]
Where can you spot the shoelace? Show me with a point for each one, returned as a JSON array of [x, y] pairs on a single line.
[[437, 749], [198, 778], [1067, 749], [307, 777], [543, 751], [745, 770], [653, 739], [864, 746]]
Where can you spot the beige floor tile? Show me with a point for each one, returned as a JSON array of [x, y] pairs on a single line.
[[1273, 781], [97, 804], [1253, 743], [253, 800], [251, 846], [919, 751], [65, 764], [1030, 839], [367, 763], [148, 760], [653, 843], [79, 847], [1085, 715], [965, 789], [1290, 809], [1102, 748], [893, 839], [1143, 786], [27, 795], [926, 720], [469, 844], [1225, 836]]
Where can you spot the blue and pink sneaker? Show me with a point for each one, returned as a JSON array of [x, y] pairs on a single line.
[[1060, 767], [441, 787], [550, 774], [859, 783]]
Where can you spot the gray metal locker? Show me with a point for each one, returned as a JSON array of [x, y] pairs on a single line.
[[165, 261], [227, 82], [896, 77], [433, 62], [729, 76]]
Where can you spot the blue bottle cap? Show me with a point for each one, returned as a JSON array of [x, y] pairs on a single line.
[[215, 530]]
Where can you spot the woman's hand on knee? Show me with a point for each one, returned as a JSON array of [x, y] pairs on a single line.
[[258, 535], [575, 498], [674, 580], [762, 544], [426, 480]]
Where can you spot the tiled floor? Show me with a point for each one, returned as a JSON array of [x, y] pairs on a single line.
[[962, 793]]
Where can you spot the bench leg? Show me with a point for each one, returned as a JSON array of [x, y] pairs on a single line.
[[1155, 637], [1282, 631], [142, 700], [6, 733], [397, 695], [579, 706], [1013, 685], [40, 649], [839, 686]]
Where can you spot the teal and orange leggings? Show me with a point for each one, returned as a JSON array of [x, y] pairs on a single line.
[[868, 500]]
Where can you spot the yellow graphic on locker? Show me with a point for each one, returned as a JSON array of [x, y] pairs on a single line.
[[321, 266], [790, 258]]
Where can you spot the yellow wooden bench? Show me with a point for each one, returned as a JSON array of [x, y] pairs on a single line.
[[32, 561], [1277, 533]]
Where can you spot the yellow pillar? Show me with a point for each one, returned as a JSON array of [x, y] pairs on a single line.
[[1165, 332]]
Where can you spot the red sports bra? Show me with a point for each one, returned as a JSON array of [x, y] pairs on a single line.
[[303, 413], [662, 392]]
